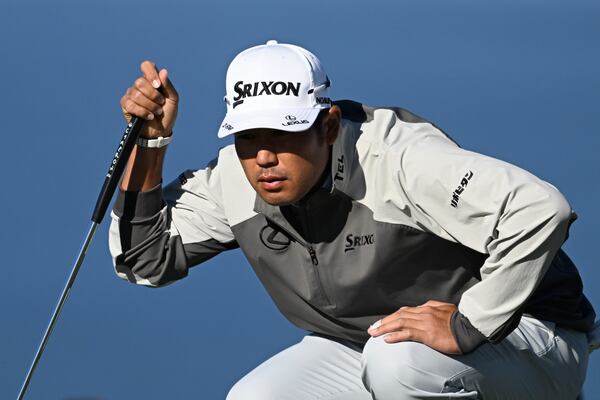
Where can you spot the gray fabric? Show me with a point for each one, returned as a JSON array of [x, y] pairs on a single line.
[[133, 206], [536, 361], [410, 217], [466, 335], [355, 281], [149, 253]]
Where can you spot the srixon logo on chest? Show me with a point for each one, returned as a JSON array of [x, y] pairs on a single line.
[[354, 241], [244, 90]]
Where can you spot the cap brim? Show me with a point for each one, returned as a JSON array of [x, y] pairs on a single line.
[[290, 120]]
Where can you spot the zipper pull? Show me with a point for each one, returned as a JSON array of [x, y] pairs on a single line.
[[313, 255]]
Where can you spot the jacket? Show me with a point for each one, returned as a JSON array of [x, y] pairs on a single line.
[[407, 216]]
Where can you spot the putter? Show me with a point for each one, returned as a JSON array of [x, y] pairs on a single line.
[[108, 188]]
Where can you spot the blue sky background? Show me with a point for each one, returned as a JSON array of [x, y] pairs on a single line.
[[518, 80]]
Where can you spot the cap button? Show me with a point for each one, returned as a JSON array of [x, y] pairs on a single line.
[[272, 42]]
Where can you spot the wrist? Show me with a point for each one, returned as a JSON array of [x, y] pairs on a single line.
[[166, 134], [153, 143]]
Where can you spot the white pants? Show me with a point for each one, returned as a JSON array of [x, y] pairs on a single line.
[[536, 361]]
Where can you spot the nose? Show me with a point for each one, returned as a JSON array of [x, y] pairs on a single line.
[[266, 158]]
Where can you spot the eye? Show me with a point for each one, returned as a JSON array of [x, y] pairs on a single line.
[[246, 136]]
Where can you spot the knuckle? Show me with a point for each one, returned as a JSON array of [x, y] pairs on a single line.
[[156, 95], [139, 82], [137, 95]]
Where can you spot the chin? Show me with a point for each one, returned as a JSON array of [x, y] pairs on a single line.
[[277, 198]]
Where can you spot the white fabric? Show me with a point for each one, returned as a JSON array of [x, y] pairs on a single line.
[[276, 86], [412, 173], [536, 361]]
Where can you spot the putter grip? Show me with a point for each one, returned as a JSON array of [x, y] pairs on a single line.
[[116, 168]]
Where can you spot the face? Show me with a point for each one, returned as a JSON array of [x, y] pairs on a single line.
[[284, 166]]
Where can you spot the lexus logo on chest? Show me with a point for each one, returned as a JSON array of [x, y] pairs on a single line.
[[274, 239]]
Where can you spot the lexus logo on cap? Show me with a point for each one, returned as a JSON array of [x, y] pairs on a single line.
[[292, 120]]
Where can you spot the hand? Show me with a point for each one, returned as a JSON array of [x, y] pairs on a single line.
[[152, 97], [428, 324]]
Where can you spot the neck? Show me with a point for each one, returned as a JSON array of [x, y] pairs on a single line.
[[323, 182]]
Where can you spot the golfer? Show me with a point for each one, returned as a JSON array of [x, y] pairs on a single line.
[[419, 269]]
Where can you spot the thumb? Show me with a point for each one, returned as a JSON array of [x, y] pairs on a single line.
[[168, 88]]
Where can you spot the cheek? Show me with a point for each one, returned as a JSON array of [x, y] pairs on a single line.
[[247, 166], [305, 170], [245, 150]]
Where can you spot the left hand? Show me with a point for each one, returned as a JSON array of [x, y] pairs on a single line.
[[428, 323]]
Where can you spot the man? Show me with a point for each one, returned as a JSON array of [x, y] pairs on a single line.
[[421, 270]]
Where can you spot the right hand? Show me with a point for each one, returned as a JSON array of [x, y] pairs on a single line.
[[152, 97]]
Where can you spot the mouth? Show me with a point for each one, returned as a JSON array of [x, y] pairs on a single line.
[[271, 182]]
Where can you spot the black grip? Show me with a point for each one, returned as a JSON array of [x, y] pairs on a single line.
[[116, 168]]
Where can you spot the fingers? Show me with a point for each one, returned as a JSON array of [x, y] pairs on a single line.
[[396, 324], [404, 311], [159, 80], [428, 323], [143, 98], [415, 335], [409, 317], [150, 73], [140, 94], [144, 87], [400, 329], [168, 88], [130, 107]]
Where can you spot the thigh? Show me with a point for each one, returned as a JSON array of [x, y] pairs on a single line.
[[315, 368], [535, 361]]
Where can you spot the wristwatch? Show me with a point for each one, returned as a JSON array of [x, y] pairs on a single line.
[[153, 143]]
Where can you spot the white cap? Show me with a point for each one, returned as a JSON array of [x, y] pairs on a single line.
[[275, 85]]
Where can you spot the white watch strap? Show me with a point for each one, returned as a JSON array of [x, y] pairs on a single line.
[[154, 143]]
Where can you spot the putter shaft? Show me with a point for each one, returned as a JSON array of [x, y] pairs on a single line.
[[58, 308]]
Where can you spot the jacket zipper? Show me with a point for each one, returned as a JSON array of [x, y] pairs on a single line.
[[311, 251], [313, 254], [313, 257]]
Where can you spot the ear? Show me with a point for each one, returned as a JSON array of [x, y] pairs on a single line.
[[332, 124]]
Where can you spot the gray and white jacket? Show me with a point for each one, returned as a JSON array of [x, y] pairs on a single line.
[[409, 216]]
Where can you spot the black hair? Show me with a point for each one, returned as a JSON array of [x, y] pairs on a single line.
[[318, 122]]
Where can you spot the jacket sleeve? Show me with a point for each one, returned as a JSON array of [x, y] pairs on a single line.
[[156, 236], [495, 208]]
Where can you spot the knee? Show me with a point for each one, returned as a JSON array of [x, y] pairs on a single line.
[[236, 392], [400, 370], [249, 389]]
